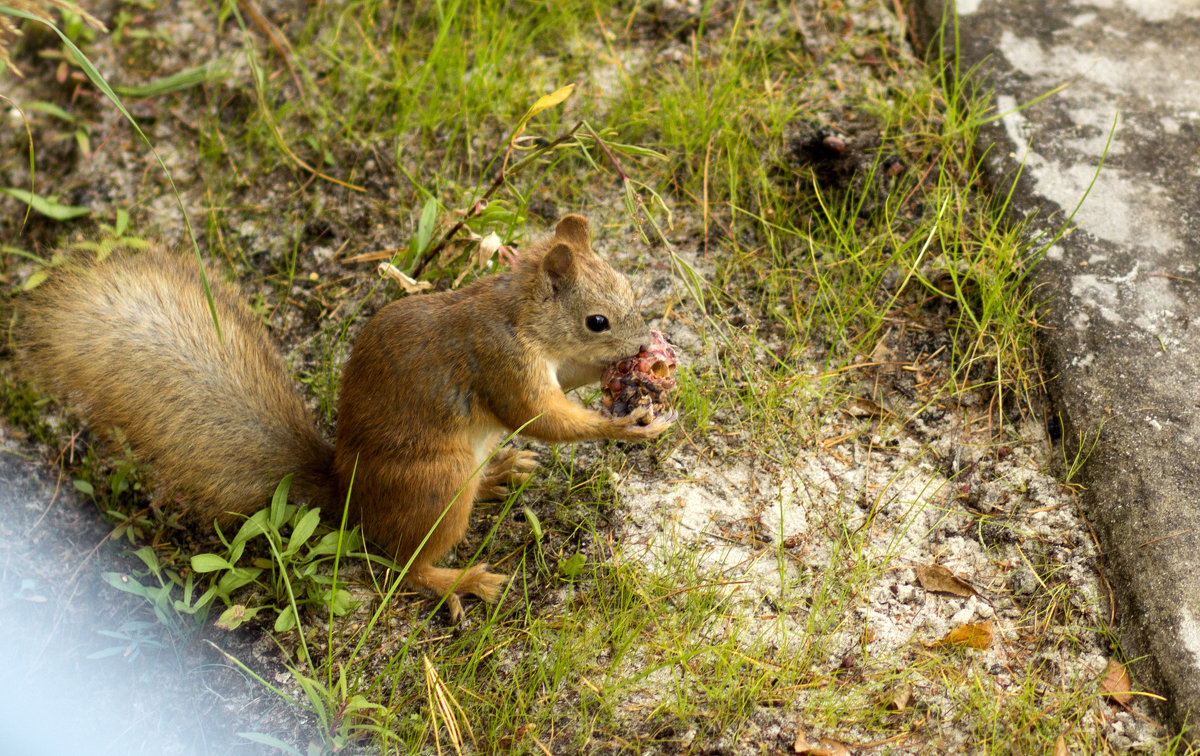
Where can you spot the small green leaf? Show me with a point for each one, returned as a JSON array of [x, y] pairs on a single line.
[[34, 281], [285, 621], [235, 616], [185, 79], [236, 578], [270, 741], [573, 566], [82, 486], [50, 108], [8, 249], [148, 557], [47, 206], [326, 545], [279, 501], [303, 531], [425, 225], [84, 142], [534, 524], [123, 582], [252, 528], [342, 604], [210, 563], [359, 702]]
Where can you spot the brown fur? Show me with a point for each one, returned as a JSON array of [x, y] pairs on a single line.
[[130, 344], [432, 384]]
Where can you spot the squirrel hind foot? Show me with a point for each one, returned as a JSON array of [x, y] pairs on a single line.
[[452, 584]]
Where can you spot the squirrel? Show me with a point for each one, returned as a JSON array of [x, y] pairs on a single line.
[[433, 382]]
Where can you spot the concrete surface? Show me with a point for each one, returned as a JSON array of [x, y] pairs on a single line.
[[1123, 290]]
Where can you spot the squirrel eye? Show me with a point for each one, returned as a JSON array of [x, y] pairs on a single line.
[[596, 323]]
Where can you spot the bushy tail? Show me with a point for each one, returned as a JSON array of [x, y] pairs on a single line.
[[130, 344]]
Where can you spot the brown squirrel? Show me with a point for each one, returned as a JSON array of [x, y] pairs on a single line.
[[432, 384]]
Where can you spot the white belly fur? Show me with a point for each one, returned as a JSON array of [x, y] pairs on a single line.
[[484, 442]]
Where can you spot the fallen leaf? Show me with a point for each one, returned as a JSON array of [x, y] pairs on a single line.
[[487, 246], [1060, 747], [825, 747], [801, 742], [899, 698], [1116, 685], [410, 286], [860, 407], [977, 636], [882, 354], [937, 579]]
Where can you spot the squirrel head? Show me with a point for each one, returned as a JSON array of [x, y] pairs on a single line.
[[585, 312]]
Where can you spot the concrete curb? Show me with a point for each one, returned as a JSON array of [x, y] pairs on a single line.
[[1122, 345]]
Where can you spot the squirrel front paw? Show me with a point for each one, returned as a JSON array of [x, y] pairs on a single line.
[[642, 424], [509, 468]]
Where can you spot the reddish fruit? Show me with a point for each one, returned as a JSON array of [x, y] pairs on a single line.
[[643, 380]]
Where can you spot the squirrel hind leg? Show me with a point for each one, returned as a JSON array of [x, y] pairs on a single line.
[[508, 467], [452, 583]]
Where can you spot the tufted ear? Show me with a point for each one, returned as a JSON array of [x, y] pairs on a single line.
[[559, 264], [573, 229]]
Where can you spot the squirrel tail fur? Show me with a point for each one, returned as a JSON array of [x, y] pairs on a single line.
[[131, 344]]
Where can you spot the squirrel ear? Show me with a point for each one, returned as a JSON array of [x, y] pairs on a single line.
[[573, 229], [559, 264]]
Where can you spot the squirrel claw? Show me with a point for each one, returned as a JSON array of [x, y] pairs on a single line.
[[454, 605], [509, 468], [643, 424], [478, 581]]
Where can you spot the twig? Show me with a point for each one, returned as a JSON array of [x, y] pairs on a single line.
[[277, 40], [478, 206]]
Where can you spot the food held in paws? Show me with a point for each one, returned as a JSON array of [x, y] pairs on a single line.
[[643, 380]]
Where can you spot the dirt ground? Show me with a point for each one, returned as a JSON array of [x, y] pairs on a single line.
[[866, 497]]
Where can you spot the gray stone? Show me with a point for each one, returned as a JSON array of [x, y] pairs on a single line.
[[1122, 290]]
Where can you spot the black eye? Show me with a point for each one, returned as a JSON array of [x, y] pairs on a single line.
[[596, 323]]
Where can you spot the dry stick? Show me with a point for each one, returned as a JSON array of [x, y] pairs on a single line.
[[608, 154], [479, 204], [277, 40]]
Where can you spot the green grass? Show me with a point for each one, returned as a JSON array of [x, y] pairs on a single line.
[[336, 141]]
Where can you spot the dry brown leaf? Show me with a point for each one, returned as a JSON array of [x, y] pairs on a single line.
[[1060, 747], [823, 747], [860, 406], [800, 745], [410, 286], [883, 354], [974, 635], [829, 747], [1116, 685], [937, 579], [487, 246], [899, 698]]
